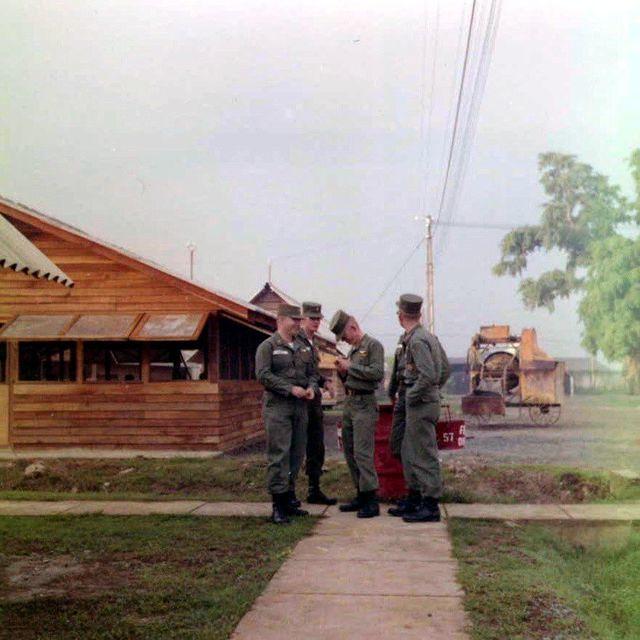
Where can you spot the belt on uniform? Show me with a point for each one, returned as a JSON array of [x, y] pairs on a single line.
[[358, 392]]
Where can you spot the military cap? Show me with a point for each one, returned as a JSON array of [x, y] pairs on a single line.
[[290, 311], [338, 323], [410, 304], [312, 310]]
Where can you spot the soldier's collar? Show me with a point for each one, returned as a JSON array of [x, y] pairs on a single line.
[[408, 334]]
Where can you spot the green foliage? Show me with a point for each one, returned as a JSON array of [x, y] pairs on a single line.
[[582, 219], [581, 209]]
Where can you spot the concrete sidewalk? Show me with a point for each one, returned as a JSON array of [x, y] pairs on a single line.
[[362, 580], [595, 512]]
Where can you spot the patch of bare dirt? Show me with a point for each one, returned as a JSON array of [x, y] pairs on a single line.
[[37, 576], [515, 484], [550, 619]]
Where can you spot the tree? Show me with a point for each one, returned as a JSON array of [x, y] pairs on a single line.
[[582, 208], [582, 219]]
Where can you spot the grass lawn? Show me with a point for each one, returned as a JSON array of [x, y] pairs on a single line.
[[94, 577], [537, 581], [241, 478]]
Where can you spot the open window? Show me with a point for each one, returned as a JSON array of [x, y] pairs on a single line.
[[112, 362], [238, 345], [47, 361], [177, 361]]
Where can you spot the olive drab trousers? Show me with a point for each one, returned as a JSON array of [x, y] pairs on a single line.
[[315, 441], [420, 461], [359, 419], [285, 420], [398, 425]]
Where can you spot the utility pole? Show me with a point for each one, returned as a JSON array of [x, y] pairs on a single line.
[[192, 249], [429, 274], [270, 265]]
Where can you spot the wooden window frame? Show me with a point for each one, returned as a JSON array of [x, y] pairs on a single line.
[[135, 334]]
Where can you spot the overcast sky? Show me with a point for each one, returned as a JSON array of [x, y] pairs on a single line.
[[292, 131]]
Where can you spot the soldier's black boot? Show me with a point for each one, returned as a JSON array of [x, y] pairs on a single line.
[[369, 505], [293, 500], [316, 496], [429, 511], [354, 505], [279, 513], [409, 504], [292, 505]]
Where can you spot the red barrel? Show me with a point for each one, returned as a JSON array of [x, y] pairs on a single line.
[[388, 467], [450, 434]]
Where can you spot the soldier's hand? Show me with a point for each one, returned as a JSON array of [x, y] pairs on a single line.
[[343, 364], [310, 393], [328, 385], [298, 392]]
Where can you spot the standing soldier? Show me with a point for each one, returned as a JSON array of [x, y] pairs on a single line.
[[361, 373], [426, 370], [311, 316], [285, 368], [397, 394]]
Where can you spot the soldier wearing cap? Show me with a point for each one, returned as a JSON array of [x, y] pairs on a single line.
[[311, 317], [426, 369], [361, 372], [284, 366]]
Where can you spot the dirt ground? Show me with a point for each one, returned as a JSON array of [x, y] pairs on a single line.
[[598, 432]]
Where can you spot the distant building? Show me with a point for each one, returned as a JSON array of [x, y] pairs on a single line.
[[458, 383], [268, 298], [586, 375]]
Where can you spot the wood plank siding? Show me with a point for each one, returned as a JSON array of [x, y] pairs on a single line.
[[209, 414]]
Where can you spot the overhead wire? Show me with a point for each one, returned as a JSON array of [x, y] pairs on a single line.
[[477, 93], [393, 279], [456, 121]]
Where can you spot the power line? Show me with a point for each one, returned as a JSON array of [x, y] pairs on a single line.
[[479, 84], [395, 276], [458, 105]]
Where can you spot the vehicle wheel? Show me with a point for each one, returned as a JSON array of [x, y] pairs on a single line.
[[545, 414]]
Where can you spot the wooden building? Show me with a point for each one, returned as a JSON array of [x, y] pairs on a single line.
[[130, 357], [268, 298]]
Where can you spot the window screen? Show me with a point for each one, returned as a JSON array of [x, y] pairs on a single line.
[[102, 326], [177, 361], [47, 361], [111, 362], [37, 326]]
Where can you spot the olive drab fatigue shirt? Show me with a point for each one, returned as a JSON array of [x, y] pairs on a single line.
[[304, 339], [366, 368], [427, 366], [281, 366], [399, 362]]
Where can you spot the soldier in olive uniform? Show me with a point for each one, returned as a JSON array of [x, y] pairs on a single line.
[[285, 367], [361, 373], [426, 370], [311, 317], [397, 395]]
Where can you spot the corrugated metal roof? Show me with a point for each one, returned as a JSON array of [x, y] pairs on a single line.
[[19, 254]]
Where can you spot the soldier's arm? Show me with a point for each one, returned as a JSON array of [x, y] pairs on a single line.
[[393, 381], [427, 369], [264, 374], [374, 371], [314, 378], [445, 366]]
